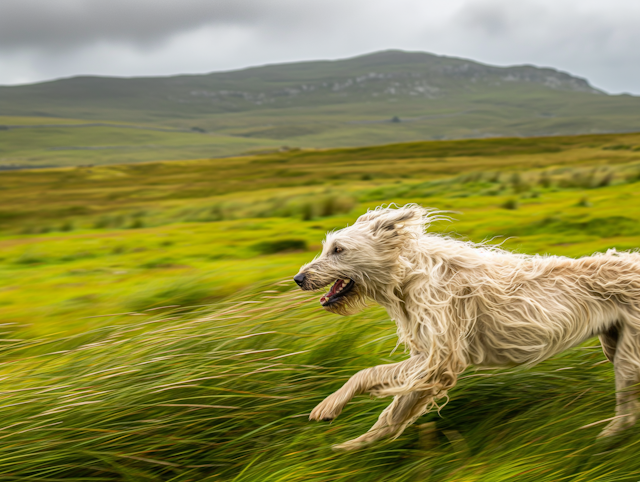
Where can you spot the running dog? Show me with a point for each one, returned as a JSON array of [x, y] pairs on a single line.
[[458, 304]]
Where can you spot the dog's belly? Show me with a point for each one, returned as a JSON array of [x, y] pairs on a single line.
[[495, 344]]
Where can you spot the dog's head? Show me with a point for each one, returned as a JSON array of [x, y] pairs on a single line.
[[363, 260]]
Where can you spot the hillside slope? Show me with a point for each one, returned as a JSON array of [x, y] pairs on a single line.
[[384, 75], [384, 97]]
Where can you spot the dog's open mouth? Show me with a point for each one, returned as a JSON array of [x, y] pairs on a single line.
[[340, 288]]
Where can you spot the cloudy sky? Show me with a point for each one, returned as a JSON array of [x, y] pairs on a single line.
[[45, 39]]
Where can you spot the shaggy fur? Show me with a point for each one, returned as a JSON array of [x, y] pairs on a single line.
[[458, 304]]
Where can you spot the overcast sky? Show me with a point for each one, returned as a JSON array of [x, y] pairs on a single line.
[[45, 39]]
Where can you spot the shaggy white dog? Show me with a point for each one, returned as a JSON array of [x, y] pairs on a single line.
[[458, 303]]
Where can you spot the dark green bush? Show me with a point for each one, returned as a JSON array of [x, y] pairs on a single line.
[[136, 223], [306, 210], [280, 245], [29, 257], [545, 180], [66, 226], [606, 180], [584, 203], [518, 184]]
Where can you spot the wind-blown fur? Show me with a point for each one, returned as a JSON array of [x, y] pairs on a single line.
[[458, 304]]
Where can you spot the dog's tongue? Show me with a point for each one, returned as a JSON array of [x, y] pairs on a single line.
[[336, 286]]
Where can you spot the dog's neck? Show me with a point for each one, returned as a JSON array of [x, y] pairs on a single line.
[[422, 279]]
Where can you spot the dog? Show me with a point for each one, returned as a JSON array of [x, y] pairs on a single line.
[[458, 303]]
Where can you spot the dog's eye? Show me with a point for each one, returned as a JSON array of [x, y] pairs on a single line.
[[338, 250]]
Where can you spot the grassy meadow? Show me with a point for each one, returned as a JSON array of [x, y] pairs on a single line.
[[151, 329], [36, 142]]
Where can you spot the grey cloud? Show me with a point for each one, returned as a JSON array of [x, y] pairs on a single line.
[[495, 18], [42, 39], [598, 43], [64, 24]]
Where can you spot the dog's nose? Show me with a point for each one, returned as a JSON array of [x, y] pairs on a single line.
[[299, 278]]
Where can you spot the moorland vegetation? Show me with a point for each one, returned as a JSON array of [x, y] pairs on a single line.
[[151, 330]]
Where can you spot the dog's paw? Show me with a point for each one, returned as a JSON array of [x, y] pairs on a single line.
[[360, 442], [329, 408], [617, 427], [349, 445]]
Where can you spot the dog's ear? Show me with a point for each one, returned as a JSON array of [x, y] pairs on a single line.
[[407, 220]]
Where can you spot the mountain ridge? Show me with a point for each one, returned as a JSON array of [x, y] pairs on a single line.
[[370, 59]]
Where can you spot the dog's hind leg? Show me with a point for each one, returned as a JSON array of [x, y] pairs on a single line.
[[609, 341], [402, 412], [626, 360]]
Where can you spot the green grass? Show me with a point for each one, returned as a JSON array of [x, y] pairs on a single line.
[[225, 392], [73, 142], [151, 330]]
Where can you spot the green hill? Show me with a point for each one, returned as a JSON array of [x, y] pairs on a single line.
[[390, 96]]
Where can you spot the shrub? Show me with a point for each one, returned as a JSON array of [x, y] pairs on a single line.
[[306, 210], [332, 205], [159, 263], [618, 147], [545, 180], [585, 180], [216, 213], [101, 223], [584, 203], [328, 205], [136, 223], [280, 245], [495, 177], [119, 250], [29, 257], [518, 184], [108, 222], [66, 226], [494, 191], [606, 180], [510, 204]]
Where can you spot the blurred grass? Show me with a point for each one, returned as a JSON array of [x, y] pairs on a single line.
[[138, 306], [224, 393]]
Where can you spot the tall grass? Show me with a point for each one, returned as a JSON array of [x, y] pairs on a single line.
[[223, 393]]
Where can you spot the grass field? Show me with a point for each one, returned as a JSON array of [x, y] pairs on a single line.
[[44, 142], [151, 330]]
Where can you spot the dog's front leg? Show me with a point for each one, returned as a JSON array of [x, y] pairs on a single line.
[[370, 379], [402, 412]]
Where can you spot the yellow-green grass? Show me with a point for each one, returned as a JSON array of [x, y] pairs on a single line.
[[149, 330], [165, 191], [224, 394], [52, 282]]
